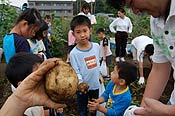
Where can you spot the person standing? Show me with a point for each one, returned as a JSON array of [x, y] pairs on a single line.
[[121, 26], [105, 51], [162, 29], [142, 45], [85, 10], [84, 59]]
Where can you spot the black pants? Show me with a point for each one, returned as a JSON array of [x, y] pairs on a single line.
[[121, 42]]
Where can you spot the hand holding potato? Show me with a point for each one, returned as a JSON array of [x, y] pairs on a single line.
[[83, 88]]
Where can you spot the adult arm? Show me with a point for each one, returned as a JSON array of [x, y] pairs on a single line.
[[130, 26], [30, 92], [112, 25], [154, 107], [157, 80]]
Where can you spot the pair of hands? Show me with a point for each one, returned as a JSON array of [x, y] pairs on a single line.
[[93, 105]]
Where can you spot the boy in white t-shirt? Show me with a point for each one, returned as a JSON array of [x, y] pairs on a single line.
[[105, 51]]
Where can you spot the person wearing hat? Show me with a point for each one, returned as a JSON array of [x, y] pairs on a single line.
[[163, 33]]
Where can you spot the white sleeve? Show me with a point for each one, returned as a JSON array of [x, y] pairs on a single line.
[[112, 25]]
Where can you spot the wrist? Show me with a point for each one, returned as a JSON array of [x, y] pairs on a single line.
[[19, 102]]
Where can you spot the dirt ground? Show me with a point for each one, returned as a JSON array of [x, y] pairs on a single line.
[[137, 91]]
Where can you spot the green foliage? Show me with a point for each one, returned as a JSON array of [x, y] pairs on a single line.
[[7, 14], [58, 40], [141, 24]]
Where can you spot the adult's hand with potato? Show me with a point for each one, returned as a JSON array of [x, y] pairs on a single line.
[[30, 92]]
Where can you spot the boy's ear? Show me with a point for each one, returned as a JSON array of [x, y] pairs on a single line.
[[122, 82]]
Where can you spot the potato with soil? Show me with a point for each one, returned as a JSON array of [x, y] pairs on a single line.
[[61, 82]]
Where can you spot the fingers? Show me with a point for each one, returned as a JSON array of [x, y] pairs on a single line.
[[54, 105]]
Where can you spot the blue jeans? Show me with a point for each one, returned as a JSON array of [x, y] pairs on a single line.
[[82, 101]]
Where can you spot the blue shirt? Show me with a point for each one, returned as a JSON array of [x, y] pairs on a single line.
[[120, 101], [86, 65], [14, 43]]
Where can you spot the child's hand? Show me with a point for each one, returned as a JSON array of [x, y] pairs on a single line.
[[93, 105], [83, 88], [59, 110]]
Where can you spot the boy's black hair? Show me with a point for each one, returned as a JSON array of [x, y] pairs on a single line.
[[31, 15], [80, 20], [100, 30], [116, 3], [20, 66], [127, 71], [39, 33], [149, 49]]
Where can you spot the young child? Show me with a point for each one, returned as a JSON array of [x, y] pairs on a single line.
[[105, 51], [27, 24], [36, 44], [19, 67], [117, 89], [84, 58]]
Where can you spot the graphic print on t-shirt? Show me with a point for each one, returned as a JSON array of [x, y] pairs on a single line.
[[91, 62]]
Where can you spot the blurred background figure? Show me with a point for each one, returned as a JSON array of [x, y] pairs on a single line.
[[71, 44], [142, 45], [121, 26]]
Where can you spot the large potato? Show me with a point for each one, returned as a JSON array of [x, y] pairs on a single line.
[[61, 82]]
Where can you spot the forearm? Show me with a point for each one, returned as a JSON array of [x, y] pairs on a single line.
[[141, 69], [157, 80], [12, 106], [105, 52], [100, 100], [102, 109]]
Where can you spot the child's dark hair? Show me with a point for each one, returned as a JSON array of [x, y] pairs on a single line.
[[100, 30], [31, 15], [20, 66], [85, 6], [47, 17], [127, 71], [80, 20], [116, 3], [39, 33], [149, 49]]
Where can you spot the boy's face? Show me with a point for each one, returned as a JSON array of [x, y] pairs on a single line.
[[82, 34], [115, 77], [100, 35]]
